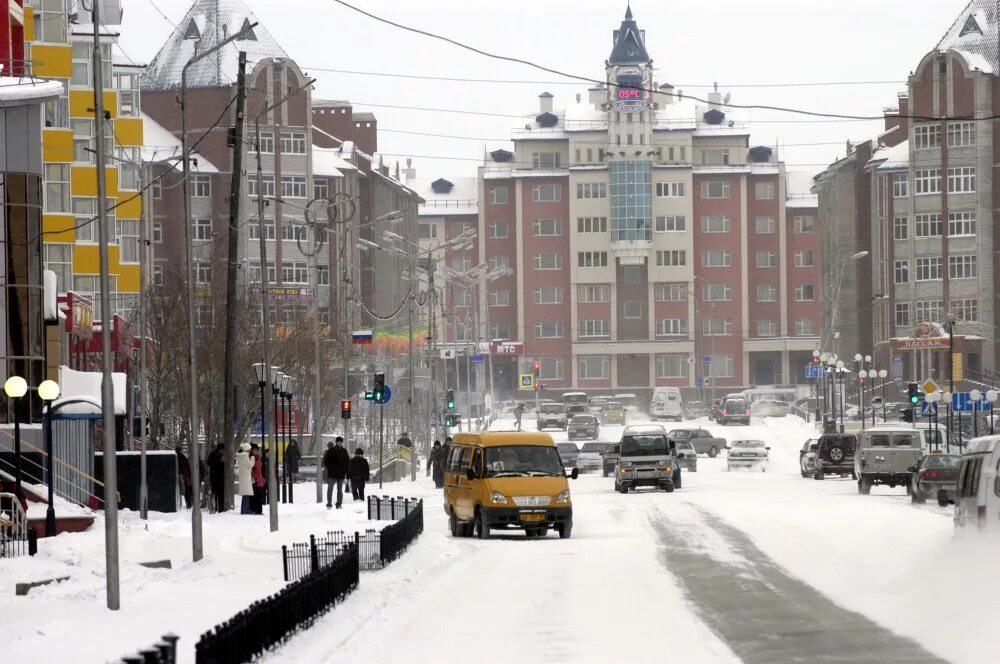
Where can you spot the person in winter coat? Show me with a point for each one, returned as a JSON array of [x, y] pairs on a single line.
[[292, 456], [435, 464], [359, 472], [258, 480], [335, 461], [216, 476], [244, 475], [184, 474], [518, 413]]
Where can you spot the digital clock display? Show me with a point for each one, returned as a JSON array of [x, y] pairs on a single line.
[[629, 92]]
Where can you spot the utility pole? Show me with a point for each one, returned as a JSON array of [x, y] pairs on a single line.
[[412, 432], [107, 388], [431, 350], [143, 272], [232, 308], [951, 378]]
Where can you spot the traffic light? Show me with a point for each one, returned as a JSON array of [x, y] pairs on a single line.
[[451, 399], [345, 409], [369, 395], [449, 422], [907, 415], [913, 394], [378, 389], [536, 368]]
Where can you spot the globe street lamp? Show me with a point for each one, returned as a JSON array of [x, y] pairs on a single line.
[[272, 471], [882, 374], [48, 392], [15, 388]]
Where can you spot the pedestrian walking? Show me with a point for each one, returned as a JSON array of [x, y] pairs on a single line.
[[335, 461], [358, 471], [184, 475], [518, 412], [217, 476], [244, 476], [292, 456], [258, 479], [435, 464]]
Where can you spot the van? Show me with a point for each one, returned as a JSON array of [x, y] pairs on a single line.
[[885, 455], [504, 480], [646, 458], [666, 404], [629, 400], [575, 402], [978, 491], [931, 438]]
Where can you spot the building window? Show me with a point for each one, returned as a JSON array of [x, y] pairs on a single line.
[[804, 293], [961, 223], [158, 275], [901, 272], [671, 258], [665, 292], [461, 263], [321, 189], [764, 191], [767, 328], [926, 136], [85, 210], [499, 230], [57, 188], [805, 327], [127, 235], [714, 224], [767, 293], [591, 293], [253, 229], [716, 292], [497, 195], [461, 297], [202, 229], [900, 228], [500, 297], [767, 258], [157, 232], [548, 295], [551, 368], [903, 314], [546, 227], [591, 190], [295, 273], [671, 366], [715, 189], [966, 310], [961, 134], [592, 259], [266, 142], [929, 268], [500, 330], [545, 160], [548, 261], [766, 225], [900, 185], [804, 259], [253, 272], [670, 224], [156, 187], [550, 330], [546, 193], [631, 201], [670, 190], [267, 186], [722, 366], [293, 142], [59, 259], [672, 327], [632, 309], [961, 180], [928, 225], [962, 266], [499, 262], [717, 327], [427, 231], [594, 328], [201, 186], [803, 224], [929, 311], [716, 258], [203, 273], [293, 186], [592, 225], [715, 156], [927, 181], [323, 275], [593, 367]]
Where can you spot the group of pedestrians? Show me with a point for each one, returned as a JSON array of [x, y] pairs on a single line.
[[340, 468]]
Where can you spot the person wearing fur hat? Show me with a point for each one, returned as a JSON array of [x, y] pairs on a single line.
[[358, 471], [244, 473]]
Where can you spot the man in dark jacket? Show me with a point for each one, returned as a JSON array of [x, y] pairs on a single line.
[[184, 475], [217, 476], [292, 456], [359, 473], [435, 464], [335, 461]]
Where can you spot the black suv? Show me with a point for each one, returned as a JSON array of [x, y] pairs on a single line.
[[835, 455], [734, 411]]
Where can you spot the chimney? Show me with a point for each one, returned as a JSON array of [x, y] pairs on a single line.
[[545, 102], [664, 95], [715, 100], [598, 96], [578, 96], [409, 173]]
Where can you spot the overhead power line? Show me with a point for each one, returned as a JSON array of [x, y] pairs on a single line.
[[586, 79]]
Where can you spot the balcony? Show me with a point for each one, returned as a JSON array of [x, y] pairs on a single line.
[[636, 242]]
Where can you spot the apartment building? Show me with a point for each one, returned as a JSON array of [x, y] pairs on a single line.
[[651, 244]]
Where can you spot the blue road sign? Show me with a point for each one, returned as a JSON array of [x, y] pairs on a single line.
[[707, 359], [386, 395], [928, 408], [814, 371], [478, 359]]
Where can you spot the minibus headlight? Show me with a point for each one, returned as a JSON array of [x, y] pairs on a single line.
[[563, 497], [498, 498]]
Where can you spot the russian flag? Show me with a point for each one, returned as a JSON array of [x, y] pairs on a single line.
[[361, 337]]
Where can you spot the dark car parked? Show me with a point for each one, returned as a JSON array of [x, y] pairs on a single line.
[[935, 476], [835, 455]]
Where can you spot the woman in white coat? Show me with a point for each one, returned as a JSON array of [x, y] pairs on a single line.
[[244, 468]]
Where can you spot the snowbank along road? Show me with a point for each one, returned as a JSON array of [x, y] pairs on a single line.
[[734, 567]]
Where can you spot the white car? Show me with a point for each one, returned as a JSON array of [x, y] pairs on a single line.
[[749, 454], [591, 457]]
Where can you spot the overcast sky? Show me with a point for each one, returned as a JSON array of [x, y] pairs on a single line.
[[693, 43]]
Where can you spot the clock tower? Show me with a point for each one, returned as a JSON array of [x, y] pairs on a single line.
[[629, 71]]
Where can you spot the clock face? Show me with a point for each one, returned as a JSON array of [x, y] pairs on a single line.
[[629, 93]]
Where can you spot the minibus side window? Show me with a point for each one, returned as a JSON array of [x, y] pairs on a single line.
[[996, 480], [463, 464], [477, 461], [974, 468], [453, 459]]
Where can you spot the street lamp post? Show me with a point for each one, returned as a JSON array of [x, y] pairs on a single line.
[[261, 372], [48, 392], [15, 388], [816, 381], [840, 390], [289, 390], [991, 397], [861, 397], [975, 396], [272, 487], [882, 374]]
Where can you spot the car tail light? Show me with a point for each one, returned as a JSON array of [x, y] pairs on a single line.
[[928, 474], [748, 411]]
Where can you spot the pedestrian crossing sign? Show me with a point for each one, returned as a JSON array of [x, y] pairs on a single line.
[[527, 381]]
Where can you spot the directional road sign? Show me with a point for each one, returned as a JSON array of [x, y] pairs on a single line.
[[707, 359], [478, 359], [386, 395], [813, 371]]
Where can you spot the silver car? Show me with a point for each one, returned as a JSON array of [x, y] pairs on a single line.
[[687, 456], [749, 454], [583, 426], [807, 457], [591, 457]]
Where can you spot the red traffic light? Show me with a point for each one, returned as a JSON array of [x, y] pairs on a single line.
[[345, 409]]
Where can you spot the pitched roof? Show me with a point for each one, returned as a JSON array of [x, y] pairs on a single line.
[[629, 43], [975, 35], [207, 23]]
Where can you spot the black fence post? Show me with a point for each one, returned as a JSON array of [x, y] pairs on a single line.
[[284, 560], [313, 554], [32, 541]]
